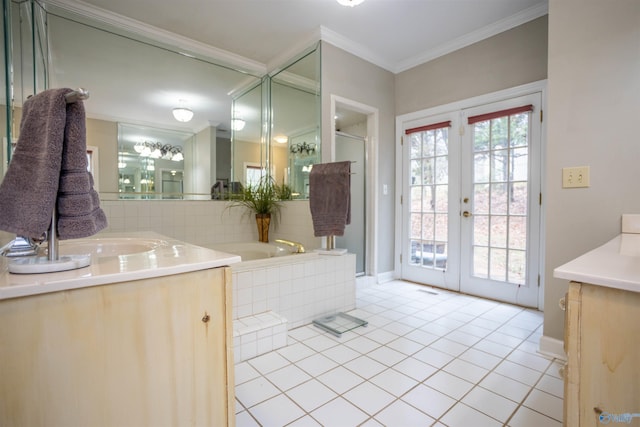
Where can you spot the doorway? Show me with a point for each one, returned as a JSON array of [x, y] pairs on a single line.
[[354, 138]]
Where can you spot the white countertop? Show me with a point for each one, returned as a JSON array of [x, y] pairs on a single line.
[[616, 264], [164, 256]]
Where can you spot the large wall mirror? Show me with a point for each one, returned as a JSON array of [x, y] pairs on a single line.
[[135, 83]]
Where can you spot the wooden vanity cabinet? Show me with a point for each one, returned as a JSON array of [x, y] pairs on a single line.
[[150, 352], [602, 341]]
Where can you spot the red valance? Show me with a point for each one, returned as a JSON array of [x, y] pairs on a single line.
[[440, 125], [501, 113]]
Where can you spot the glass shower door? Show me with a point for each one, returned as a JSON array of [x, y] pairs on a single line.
[[352, 148]]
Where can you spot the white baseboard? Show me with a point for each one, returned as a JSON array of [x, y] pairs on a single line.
[[386, 277], [365, 281], [552, 347]]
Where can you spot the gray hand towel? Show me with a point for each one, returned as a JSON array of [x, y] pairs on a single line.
[[78, 204], [330, 198], [50, 163]]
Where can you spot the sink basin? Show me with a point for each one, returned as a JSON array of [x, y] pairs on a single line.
[[106, 247]]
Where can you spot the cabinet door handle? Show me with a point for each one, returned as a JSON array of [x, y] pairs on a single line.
[[206, 317], [564, 371]]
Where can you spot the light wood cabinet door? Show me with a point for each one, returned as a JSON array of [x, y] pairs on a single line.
[[152, 352], [602, 384]]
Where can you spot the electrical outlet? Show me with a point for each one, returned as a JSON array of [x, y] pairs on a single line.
[[575, 177]]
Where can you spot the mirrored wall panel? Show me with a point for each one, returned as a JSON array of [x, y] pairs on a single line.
[[230, 124], [295, 132]]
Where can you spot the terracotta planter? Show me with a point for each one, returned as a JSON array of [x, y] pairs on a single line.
[[263, 221]]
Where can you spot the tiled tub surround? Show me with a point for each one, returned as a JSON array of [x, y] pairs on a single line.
[[273, 295], [207, 222]]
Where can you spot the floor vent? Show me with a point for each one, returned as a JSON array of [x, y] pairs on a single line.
[[428, 291]]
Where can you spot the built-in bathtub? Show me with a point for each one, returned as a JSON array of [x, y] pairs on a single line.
[[284, 290], [250, 251]]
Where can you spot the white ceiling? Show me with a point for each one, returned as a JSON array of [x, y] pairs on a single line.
[[394, 34], [132, 82]]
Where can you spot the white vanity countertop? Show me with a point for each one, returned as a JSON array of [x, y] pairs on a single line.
[[616, 264], [166, 256]]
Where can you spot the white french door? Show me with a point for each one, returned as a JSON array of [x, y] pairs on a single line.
[[431, 188], [471, 210]]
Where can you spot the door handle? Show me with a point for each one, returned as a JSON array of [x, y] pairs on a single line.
[[466, 214]]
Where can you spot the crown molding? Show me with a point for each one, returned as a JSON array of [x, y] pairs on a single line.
[[497, 27], [190, 46], [354, 48], [301, 47]]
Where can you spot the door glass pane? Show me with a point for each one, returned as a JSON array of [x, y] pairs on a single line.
[[498, 231], [480, 199], [416, 172], [442, 198], [429, 192], [416, 225], [428, 171], [518, 197], [428, 229], [500, 198], [428, 198], [498, 264], [480, 227], [481, 261], [518, 232], [482, 168]]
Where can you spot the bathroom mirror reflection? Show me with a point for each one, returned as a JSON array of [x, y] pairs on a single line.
[[135, 87], [295, 134], [135, 84], [152, 163]]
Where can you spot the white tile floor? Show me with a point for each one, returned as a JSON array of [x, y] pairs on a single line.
[[425, 359]]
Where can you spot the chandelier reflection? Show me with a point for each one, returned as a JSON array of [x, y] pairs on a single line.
[[303, 148], [157, 150]]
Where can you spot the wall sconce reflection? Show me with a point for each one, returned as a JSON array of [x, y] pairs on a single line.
[[303, 148]]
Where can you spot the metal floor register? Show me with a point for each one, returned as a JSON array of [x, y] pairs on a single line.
[[339, 323]]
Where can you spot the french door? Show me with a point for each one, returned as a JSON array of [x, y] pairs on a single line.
[[471, 200]]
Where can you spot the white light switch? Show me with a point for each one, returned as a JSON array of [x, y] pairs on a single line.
[[575, 177], [385, 189]]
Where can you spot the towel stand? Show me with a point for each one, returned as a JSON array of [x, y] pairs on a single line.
[[53, 262], [331, 242]]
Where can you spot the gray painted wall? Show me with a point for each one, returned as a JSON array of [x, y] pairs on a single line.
[[512, 58], [594, 107]]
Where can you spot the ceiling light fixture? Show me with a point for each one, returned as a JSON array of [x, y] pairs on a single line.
[[350, 3], [237, 124], [281, 139], [182, 114]]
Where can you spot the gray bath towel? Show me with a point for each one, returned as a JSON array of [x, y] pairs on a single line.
[[330, 198], [50, 165]]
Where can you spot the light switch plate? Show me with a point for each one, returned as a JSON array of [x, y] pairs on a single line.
[[575, 177]]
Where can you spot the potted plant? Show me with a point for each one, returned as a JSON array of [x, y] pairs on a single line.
[[263, 199]]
